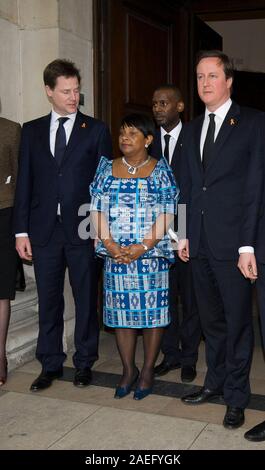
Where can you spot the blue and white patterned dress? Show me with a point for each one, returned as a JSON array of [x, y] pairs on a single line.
[[135, 294]]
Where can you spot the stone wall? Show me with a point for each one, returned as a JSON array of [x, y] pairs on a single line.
[[32, 34]]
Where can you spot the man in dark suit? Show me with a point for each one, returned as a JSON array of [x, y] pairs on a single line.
[[221, 181], [58, 159], [257, 433], [181, 339]]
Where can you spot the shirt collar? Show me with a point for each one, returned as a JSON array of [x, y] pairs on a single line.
[[174, 132], [56, 116], [220, 112]]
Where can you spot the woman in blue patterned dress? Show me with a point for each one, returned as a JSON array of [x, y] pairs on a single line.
[[133, 202]]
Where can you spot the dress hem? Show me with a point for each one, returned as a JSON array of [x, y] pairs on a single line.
[[137, 327]]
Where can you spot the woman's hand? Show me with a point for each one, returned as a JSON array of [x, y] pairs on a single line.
[[116, 252], [133, 252]]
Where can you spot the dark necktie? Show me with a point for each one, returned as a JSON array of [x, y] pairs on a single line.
[[166, 151], [60, 141], [209, 142]]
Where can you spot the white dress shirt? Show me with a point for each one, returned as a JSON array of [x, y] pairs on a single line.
[[54, 124], [174, 135], [220, 115]]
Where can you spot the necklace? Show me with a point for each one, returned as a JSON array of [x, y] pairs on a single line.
[[133, 169]]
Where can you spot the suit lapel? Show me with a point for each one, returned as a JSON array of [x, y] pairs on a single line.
[[227, 127], [176, 152], [44, 135], [157, 147], [76, 136], [175, 161], [197, 141]]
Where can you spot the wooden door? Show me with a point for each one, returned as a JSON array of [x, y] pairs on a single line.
[[138, 50]]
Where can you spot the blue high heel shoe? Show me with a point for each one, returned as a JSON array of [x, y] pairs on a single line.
[[121, 392], [141, 393]]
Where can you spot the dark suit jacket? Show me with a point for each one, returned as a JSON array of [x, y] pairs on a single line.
[[41, 184], [229, 192], [9, 145], [260, 242], [156, 151]]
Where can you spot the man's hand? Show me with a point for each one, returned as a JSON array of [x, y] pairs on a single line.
[[23, 248], [183, 250], [248, 266]]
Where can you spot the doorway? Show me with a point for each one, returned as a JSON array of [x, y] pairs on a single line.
[[141, 45]]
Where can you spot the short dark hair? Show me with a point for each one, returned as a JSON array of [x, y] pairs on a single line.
[[60, 68], [142, 122], [223, 58], [170, 86]]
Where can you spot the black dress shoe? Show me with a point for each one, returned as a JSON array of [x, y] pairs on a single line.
[[256, 434], [203, 396], [82, 377], [45, 380], [164, 367], [188, 373], [234, 417]]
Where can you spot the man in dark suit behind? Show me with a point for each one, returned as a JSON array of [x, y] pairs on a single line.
[[181, 339], [58, 159], [221, 182]]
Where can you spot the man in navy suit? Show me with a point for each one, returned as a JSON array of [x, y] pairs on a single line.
[[221, 183], [181, 339], [257, 433], [58, 159]]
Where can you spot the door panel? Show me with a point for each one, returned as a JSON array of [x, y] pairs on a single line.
[[145, 69], [139, 51]]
